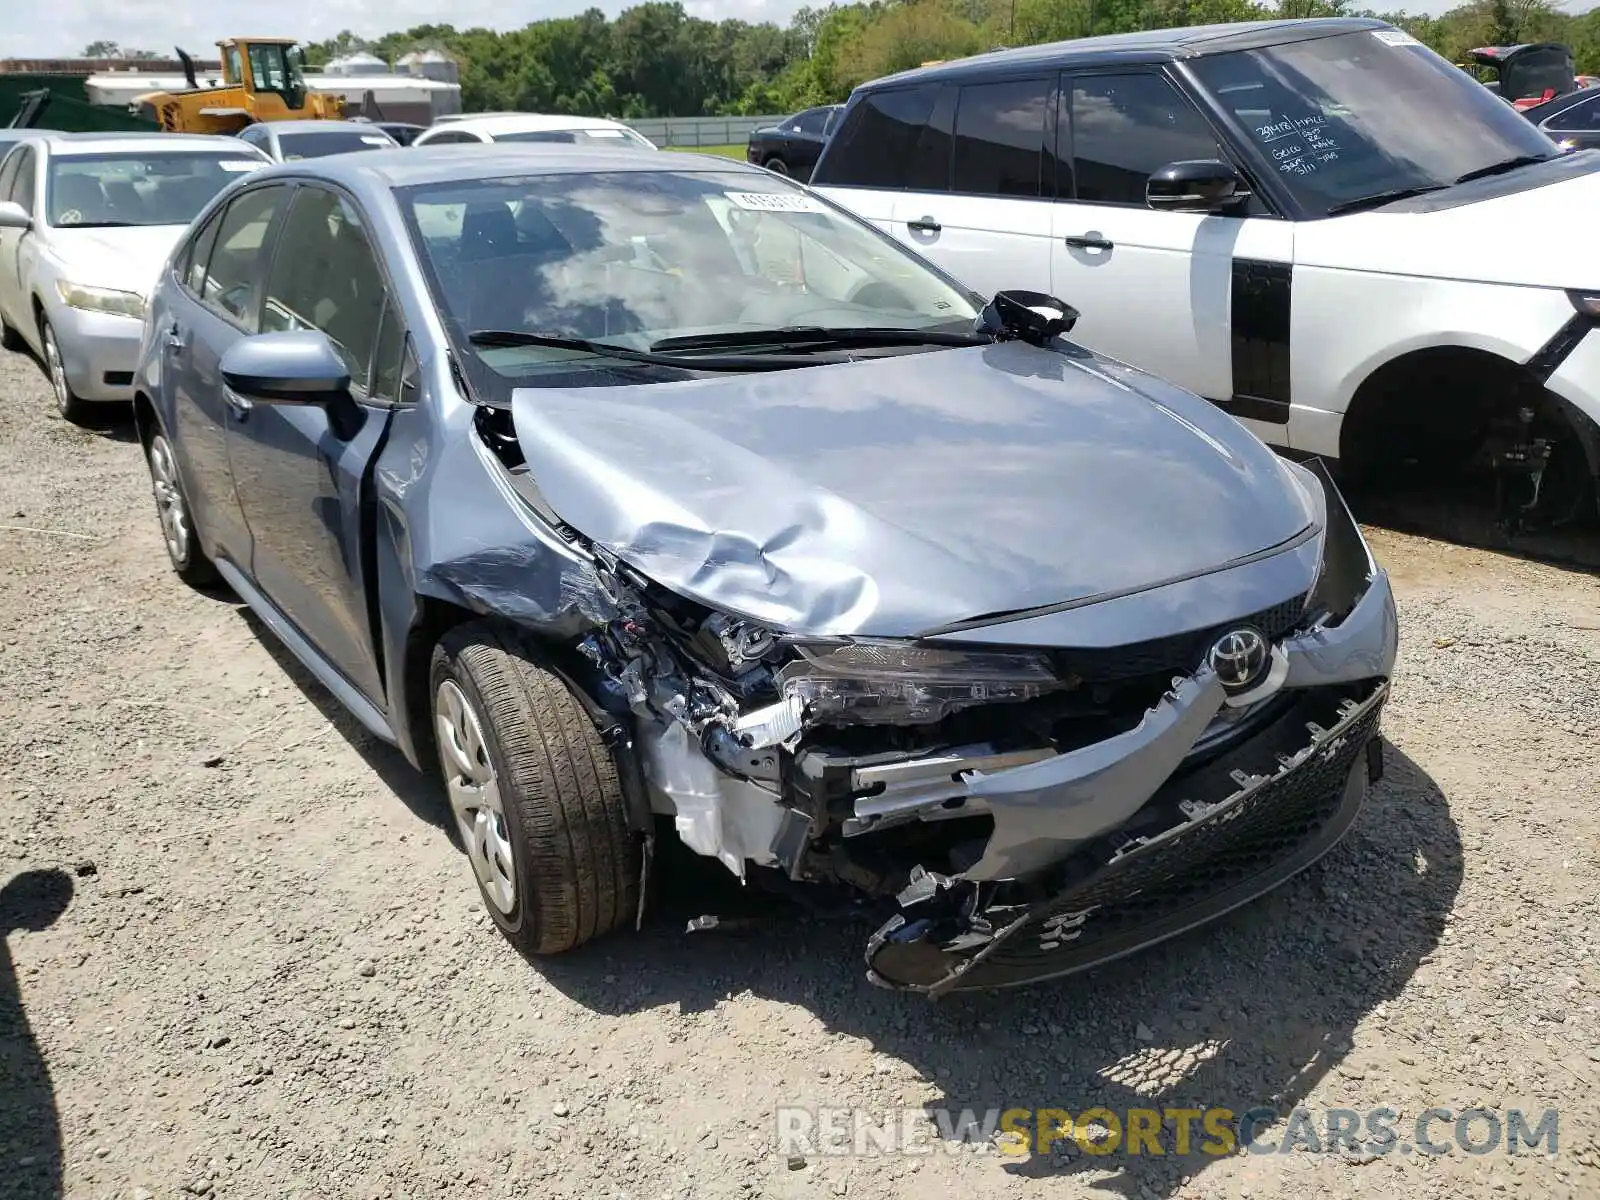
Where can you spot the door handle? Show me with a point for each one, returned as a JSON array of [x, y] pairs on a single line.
[[241, 407], [1087, 241], [924, 225], [175, 341]]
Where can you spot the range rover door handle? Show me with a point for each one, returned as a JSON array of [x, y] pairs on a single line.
[[1088, 241], [924, 225]]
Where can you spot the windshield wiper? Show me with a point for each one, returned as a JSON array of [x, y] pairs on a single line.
[[809, 337], [1382, 198], [1500, 168], [517, 337]]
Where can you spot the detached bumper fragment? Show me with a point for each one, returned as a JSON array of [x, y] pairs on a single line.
[[1207, 842]]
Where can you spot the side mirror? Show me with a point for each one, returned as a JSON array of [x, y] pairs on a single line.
[[1200, 186], [14, 216], [1031, 316], [298, 367]]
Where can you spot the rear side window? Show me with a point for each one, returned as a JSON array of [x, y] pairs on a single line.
[[811, 121], [876, 138], [1124, 128], [1580, 118], [999, 140], [441, 139], [238, 262]]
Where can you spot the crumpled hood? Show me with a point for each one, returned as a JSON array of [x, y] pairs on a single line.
[[1530, 237], [127, 258], [890, 496]]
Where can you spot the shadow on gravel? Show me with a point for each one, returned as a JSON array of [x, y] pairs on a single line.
[[30, 1129], [1252, 1011], [419, 792]]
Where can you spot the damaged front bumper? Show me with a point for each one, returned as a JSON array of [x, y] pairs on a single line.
[[1100, 851]]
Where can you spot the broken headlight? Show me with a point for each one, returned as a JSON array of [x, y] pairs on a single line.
[[904, 683]]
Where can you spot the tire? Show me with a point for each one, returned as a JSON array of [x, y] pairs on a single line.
[[539, 787], [71, 408], [177, 522], [776, 165]]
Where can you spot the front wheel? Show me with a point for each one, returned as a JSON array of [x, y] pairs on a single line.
[[68, 404], [534, 791]]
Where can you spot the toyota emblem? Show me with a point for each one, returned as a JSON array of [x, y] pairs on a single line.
[[1239, 657]]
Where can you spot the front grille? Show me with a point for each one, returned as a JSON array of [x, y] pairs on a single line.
[[1208, 866], [1179, 654]]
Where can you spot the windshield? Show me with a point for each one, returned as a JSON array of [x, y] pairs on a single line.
[[1363, 114], [138, 189], [578, 137], [632, 258], [323, 142]]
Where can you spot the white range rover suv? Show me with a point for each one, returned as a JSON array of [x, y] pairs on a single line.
[[1320, 225]]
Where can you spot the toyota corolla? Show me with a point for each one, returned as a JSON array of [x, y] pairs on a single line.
[[656, 496]]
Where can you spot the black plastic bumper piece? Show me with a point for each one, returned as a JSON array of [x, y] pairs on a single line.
[[1248, 835]]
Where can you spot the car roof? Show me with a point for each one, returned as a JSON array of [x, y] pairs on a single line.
[[147, 143], [529, 123], [282, 127], [414, 165], [1147, 45]]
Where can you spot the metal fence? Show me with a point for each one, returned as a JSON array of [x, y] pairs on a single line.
[[700, 131]]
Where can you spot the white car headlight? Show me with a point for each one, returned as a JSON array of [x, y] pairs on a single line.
[[99, 299]]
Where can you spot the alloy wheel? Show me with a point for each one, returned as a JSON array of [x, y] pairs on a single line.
[[57, 370], [169, 501], [474, 791]]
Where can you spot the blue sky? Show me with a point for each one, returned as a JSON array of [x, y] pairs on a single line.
[[64, 28]]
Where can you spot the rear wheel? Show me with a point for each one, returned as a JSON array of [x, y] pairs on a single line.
[[776, 165], [172, 507], [534, 790]]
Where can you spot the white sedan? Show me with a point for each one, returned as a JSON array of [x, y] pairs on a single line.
[[86, 220], [595, 132]]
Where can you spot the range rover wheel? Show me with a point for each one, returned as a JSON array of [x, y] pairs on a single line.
[[172, 507], [776, 165], [534, 791]]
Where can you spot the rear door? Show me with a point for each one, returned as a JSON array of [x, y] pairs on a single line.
[[299, 479], [988, 219], [224, 270], [1200, 300]]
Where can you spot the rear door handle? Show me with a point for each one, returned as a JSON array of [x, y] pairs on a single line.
[[1088, 241], [924, 225]]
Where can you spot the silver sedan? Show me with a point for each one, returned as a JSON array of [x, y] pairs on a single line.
[[86, 221]]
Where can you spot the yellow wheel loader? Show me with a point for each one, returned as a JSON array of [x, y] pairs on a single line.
[[263, 79]]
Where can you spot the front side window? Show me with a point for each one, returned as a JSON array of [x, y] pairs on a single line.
[[876, 137], [811, 121], [267, 68], [139, 188], [1122, 129], [999, 138], [22, 187], [238, 262], [325, 276], [8, 172], [634, 258], [450, 136], [1352, 119], [197, 259]]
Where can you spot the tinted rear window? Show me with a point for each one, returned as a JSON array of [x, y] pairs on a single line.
[[876, 137], [322, 143]]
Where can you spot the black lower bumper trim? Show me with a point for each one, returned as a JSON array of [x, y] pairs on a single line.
[[1166, 885]]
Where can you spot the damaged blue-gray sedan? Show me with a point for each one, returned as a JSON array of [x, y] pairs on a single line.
[[664, 495]]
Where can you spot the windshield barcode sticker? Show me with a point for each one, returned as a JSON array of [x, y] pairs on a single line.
[[371, 140], [1395, 37], [776, 202], [240, 165]]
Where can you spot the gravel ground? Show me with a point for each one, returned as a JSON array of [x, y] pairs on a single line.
[[242, 958]]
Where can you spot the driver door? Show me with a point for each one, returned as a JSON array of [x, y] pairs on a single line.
[[1199, 300]]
